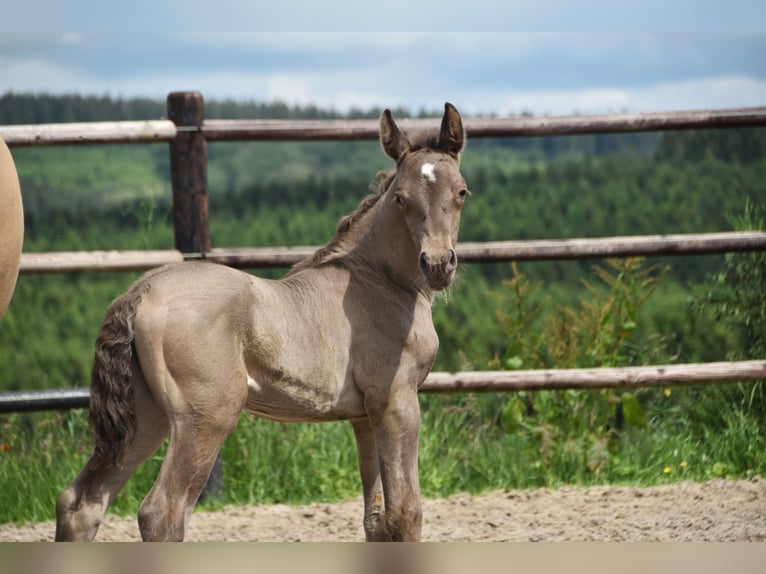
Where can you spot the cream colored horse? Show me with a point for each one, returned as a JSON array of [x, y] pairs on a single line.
[[11, 226], [346, 335]]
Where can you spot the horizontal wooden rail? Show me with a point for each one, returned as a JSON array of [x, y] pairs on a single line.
[[597, 378], [88, 133], [481, 381], [302, 130], [309, 130], [496, 251], [88, 261], [626, 246]]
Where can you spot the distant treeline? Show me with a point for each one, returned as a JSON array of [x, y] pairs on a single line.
[[23, 108]]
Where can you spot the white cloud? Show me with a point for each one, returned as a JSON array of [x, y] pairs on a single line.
[[71, 38], [480, 73], [700, 93], [322, 42], [351, 88], [38, 75], [717, 92]]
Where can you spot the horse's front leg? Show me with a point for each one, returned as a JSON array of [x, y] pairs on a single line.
[[395, 424], [372, 486]]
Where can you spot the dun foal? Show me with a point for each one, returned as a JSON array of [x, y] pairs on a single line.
[[346, 335]]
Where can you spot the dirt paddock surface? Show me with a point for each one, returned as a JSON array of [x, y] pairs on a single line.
[[717, 510]]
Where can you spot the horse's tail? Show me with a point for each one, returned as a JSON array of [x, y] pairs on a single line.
[[112, 409]]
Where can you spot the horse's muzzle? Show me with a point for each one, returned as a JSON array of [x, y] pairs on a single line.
[[439, 270]]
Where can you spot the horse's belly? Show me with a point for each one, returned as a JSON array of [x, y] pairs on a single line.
[[298, 401]]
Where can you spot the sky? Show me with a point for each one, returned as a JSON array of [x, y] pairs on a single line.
[[717, 60]]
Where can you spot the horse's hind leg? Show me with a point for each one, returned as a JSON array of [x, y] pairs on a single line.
[[165, 511], [201, 421], [81, 507]]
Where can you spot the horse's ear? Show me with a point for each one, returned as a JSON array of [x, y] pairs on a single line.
[[394, 142], [452, 135]]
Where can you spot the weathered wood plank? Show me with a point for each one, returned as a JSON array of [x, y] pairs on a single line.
[[307, 130], [601, 378], [256, 257], [90, 261], [626, 246], [535, 250], [496, 251], [88, 133]]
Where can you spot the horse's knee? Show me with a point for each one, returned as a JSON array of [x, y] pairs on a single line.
[[76, 519]]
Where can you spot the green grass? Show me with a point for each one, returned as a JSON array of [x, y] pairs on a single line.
[[465, 446]]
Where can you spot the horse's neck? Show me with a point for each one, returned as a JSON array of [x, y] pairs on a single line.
[[376, 250], [383, 245]]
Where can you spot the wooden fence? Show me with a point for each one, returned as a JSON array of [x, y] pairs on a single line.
[[187, 133]]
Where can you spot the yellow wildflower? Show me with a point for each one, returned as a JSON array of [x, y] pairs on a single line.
[[666, 470]]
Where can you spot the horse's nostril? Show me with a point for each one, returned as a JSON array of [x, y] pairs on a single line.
[[423, 261], [447, 262]]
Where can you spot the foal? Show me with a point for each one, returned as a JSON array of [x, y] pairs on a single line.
[[346, 335]]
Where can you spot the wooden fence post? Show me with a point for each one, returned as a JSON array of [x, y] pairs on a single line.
[[188, 173], [191, 222]]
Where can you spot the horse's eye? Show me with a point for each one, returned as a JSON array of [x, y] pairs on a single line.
[[398, 200], [463, 193]]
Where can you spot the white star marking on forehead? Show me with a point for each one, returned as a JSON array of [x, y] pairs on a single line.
[[427, 169]]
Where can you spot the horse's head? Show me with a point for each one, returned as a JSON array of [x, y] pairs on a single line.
[[428, 192]]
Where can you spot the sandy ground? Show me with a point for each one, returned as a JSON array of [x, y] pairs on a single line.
[[718, 510]]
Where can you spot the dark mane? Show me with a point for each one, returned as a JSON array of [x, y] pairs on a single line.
[[345, 225], [419, 140]]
